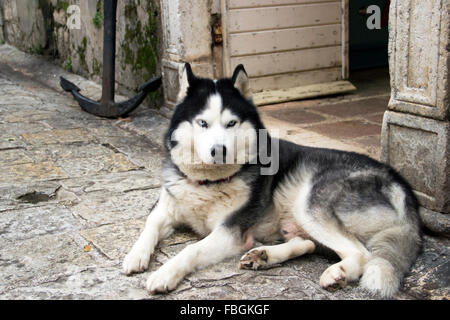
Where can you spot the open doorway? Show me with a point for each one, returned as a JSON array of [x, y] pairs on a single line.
[[368, 46], [368, 34]]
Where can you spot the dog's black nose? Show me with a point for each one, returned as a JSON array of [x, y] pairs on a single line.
[[219, 152]]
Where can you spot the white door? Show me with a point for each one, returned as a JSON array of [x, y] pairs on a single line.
[[286, 44]]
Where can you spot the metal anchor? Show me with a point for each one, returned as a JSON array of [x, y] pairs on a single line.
[[106, 107]]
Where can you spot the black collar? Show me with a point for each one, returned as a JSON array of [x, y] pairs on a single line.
[[206, 182]]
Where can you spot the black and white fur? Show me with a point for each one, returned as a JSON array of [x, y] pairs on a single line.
[[361, 209]]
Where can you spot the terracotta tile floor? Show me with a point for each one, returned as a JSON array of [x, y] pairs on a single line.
[[348, 122]]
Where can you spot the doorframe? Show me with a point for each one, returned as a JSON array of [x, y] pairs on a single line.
[[226, 65], [345, 25]]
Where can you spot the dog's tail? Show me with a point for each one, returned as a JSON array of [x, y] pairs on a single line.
[[395, 249]]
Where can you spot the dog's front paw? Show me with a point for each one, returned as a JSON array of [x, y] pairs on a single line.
[[163, 280], [137, 259]]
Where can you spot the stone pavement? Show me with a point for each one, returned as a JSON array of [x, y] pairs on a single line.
[[75, 191]]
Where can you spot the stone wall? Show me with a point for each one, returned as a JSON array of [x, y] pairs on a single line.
[[40, 27]]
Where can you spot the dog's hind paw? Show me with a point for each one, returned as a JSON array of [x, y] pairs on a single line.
[[333, 278], [254, 260]]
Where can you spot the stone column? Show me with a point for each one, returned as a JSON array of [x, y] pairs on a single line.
[[187, 37], [187, 31], [415, 135]]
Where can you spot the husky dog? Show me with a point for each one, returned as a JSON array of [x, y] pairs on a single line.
[[359, 208]]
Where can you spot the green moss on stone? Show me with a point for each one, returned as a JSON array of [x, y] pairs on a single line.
[[145, 36], [68, 64], [39, 50], [99, 6], [62, 5], [98, 19], [131, 11], [96, 67], [47, 9], [81, 51]]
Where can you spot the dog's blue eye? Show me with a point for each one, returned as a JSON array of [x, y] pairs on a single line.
[[231, 124], [202, 123]]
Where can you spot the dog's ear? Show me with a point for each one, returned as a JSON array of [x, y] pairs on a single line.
[[189, 74], [187, 79], [241, 82]]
